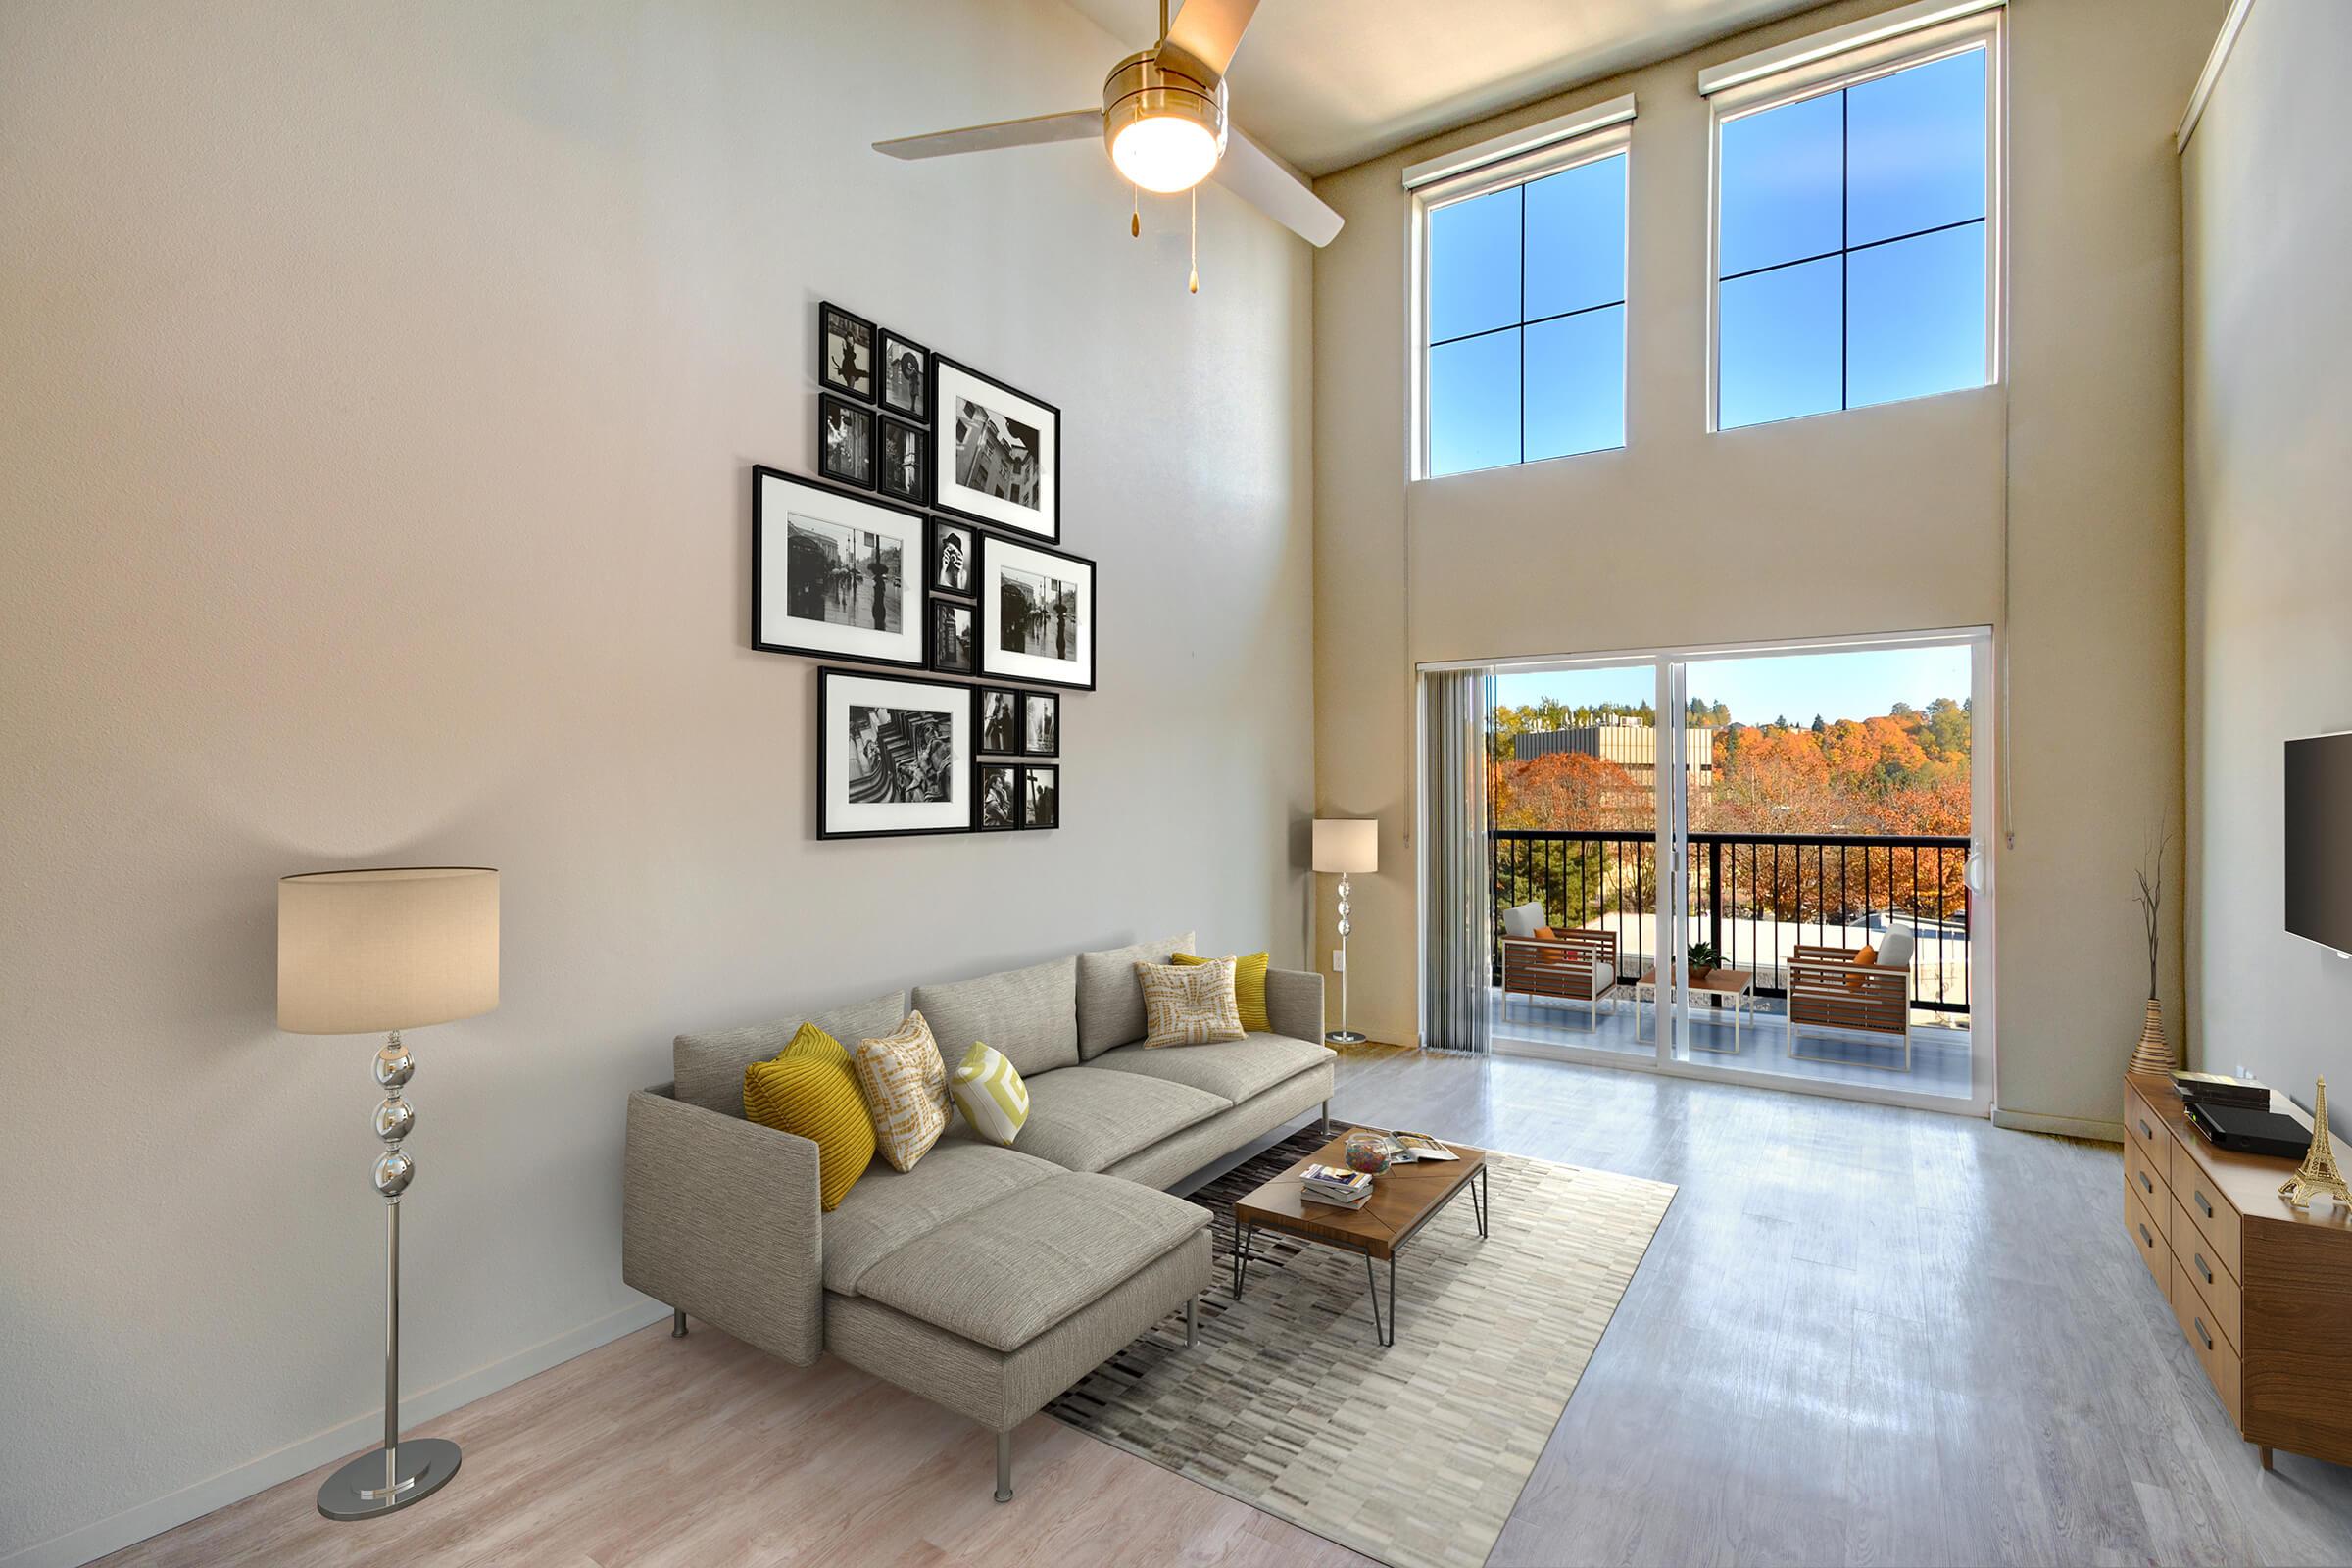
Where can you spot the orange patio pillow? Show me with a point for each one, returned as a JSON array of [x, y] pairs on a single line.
[[1865, 957], [1544, 933]]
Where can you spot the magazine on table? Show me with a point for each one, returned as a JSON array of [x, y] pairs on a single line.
[[1413, 1146]]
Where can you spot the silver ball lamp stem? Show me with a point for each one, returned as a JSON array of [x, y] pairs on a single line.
[[388, 1479], [1343, 1035]]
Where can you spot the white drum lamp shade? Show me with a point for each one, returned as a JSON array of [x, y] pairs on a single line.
[[1348, 844], [395, 947]]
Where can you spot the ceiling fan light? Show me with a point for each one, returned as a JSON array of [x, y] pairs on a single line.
[[1165, 127], [1165, 153]]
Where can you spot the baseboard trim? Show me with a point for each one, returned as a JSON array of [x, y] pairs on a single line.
[[151, 1518], [2034, 1121]]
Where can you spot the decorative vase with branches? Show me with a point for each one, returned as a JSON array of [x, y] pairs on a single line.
[[2153, 1054]]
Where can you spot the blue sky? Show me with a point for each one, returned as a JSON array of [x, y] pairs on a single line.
[[1855, 685]]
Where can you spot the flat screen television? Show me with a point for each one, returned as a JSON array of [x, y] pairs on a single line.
[[2319, 840]]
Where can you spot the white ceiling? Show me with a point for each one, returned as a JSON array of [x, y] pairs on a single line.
[[1326, 84]]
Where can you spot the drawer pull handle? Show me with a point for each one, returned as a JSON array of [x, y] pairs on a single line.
[[2146, 1131], [2201, 1203], [2204, 1333], [2145, 1239], [2203, 1268], [2146, 1185]]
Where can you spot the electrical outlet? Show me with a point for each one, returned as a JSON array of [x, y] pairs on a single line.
[[1338, 961]]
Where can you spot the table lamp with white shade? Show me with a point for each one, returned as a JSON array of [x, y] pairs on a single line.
[[386, 950], [1348, 845]]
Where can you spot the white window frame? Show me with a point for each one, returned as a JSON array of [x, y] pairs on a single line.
[[1825, 65], [1518, 158]]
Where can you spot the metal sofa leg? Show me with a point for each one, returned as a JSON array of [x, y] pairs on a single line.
[[1004, 1467], [1192, 1321], [677, 1322], [1327, 1118]]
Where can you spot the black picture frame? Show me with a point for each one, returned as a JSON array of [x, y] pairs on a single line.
[[948, 642], [787, 628], [975, 503], [1029, 797], [1032, 703], [894, 353], [999, 555], [836, 367], [953, 564], [986, 714], [848, 447], [832, 685], [985, 817], [913, 448]]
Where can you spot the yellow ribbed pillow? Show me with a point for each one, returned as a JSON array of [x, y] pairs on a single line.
[[806, 1088], [1249, 988]]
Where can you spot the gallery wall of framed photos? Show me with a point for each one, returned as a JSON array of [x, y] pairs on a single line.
[[928, 542]]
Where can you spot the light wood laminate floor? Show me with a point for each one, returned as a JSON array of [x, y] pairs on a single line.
[[1862, 1336]]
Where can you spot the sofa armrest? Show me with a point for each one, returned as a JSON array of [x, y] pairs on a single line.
[[719, 1219], [1295, 1003]]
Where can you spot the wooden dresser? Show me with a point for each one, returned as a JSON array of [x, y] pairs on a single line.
[[2262, 1293]]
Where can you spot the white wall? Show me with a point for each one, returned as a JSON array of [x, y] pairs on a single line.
[[1878, 520], [2269, 222], [380, 385]]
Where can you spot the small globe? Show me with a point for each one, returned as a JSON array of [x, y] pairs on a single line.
[[1368, 1152]]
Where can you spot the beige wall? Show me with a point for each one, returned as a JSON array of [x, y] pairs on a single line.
[[1878, 519], [379, 388], [2270, 528]]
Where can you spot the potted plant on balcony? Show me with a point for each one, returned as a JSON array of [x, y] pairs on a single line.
[[1704, 959]]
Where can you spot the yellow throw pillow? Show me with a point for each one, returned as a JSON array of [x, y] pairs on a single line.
[[1189, 1005], [807, 1090], [989, 1093], [906, 1087], [1249, 988]]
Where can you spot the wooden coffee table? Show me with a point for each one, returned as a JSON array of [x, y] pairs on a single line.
[[1404, 1198]]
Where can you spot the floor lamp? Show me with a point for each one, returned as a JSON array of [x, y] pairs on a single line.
[[387, 950], [1348, 845]]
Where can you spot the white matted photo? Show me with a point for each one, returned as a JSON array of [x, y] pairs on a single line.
[[1037, 616], [893, 755], [834, 575], [995, 454]]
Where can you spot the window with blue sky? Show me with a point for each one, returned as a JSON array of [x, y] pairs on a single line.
[[1526, 321], [1851, 245]]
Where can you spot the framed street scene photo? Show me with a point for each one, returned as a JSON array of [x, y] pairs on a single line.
[[844, 441], [951, 637], [1041, 797], [951, 562], [893, 755], [1040, 724], [999, 797], [995, 454], [902, 461], [845, 352], [1037, 615], [1000, 721], [833, 575], [905, 377]]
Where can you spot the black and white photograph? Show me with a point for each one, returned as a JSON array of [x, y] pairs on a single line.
[[951, 563], [893, 755], [844, 441], [999, 797], [845, 352], [1000, 721], [951, 637], [1041, 797], [902, 459], [835, 575], [905, 377], [1036, 610], [1040, 724], [995, 454]]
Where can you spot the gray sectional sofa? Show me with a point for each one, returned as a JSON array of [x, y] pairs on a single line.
[[985, 1279]]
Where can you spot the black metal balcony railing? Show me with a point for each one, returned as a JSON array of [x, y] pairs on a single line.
[[1754, 896]]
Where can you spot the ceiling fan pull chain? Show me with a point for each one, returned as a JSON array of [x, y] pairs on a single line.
[[1194, 193], [1134, 219]]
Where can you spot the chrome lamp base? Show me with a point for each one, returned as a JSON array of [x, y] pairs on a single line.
[[357, 1490], [1345, 1037]]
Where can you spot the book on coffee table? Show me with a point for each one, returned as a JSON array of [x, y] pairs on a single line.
[[1335, 1186], [1413, 1146]]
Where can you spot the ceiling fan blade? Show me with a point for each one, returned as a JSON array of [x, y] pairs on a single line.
[[1210, 30], [1258, 178], [1079, 125]]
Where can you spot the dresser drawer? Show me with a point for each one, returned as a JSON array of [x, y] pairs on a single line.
[[2148, 1237], [2211, 1212], [2146, 1131], [2194, 1266], [2214, 1353], [2147, 1179]]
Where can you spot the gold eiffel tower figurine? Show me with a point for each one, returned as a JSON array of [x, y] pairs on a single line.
[[2319, 1173]]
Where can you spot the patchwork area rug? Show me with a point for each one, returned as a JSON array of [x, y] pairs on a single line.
[[1411, 1454]]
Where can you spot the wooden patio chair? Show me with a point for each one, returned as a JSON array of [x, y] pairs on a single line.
[[1578, 966], [1828, 990]]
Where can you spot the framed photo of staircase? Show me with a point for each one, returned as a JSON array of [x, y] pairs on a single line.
[[893, 755]]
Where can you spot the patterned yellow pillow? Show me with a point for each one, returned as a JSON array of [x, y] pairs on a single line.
[[989, 1093], [906, 1087], [806, 1088], [1189, 1005], [1249, 987]]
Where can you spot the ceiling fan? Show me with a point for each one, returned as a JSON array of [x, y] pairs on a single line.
[[1163, 122]]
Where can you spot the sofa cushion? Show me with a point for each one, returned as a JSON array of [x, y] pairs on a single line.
[[906, 1091], [709, 1066], [1081, 1119], [1248, 986], [890, 1209], [1233, 1070], [1030, 1015], [1003, 1274], [1111, 1000]]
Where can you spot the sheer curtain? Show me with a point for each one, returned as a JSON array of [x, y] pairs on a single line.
[[1457, 944]]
